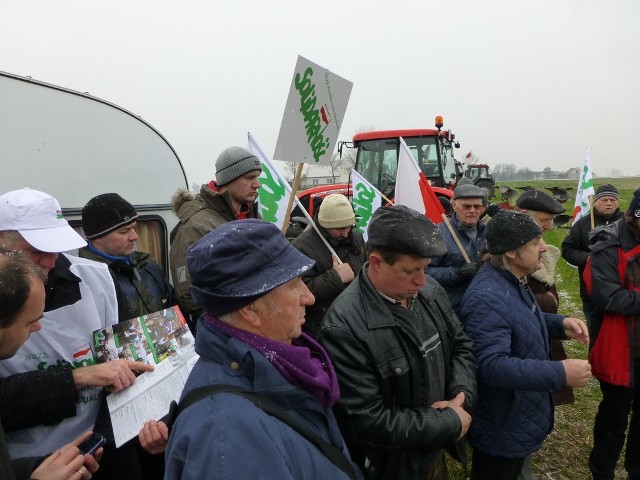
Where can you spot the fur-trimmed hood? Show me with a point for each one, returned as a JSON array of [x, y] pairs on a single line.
[[547, 273]]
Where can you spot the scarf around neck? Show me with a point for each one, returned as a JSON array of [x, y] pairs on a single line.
[[304, 363]]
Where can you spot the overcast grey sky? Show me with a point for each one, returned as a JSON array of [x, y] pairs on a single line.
[[530, 83]]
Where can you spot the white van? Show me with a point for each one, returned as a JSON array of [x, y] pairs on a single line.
[[74, 146]]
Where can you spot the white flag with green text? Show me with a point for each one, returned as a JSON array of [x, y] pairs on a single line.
[[274, 191], [366, 200], [585, 189]]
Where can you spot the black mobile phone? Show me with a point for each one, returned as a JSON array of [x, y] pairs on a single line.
[[91, 444]]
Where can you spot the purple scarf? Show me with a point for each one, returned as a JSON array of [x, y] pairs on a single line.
[[304, 363]]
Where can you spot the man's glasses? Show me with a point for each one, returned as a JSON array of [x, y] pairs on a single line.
[[469, 206]]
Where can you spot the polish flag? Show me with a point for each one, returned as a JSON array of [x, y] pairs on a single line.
[[412, 187]]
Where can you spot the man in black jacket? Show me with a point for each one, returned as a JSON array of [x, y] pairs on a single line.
[[110, 225], [406, 368], [575, 246], [328, 278]]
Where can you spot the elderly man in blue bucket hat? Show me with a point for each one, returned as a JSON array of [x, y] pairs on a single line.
[[247, 277]]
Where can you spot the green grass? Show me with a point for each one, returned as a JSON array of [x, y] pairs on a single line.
[[564, 455]]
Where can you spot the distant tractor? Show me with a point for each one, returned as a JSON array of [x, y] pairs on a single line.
[[479, 173]]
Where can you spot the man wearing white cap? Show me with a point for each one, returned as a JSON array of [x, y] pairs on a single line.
[[51, 387]]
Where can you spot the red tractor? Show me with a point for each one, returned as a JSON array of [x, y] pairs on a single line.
[[377, 161], [377, 157]]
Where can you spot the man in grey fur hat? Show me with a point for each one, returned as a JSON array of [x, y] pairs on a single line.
[[510, 336], [543, 208], [231, 196]]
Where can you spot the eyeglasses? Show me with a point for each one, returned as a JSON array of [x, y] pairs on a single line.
[[469, 206]]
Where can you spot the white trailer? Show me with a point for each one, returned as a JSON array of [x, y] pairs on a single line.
[[75, 146]]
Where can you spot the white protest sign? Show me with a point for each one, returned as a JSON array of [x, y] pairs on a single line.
[[313, 114]]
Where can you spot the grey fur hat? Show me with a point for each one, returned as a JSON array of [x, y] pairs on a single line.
[[509, 230], [234, 162]]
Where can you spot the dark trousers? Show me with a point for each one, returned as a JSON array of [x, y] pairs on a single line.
[[610, 426], [489, 467]]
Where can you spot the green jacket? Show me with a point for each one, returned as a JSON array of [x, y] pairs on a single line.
[[198, 214]]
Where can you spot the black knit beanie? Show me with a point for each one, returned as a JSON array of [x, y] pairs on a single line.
[[509, 230], [105, 213]]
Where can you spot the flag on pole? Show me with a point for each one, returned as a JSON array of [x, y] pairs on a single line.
[[412, 187], [585, 189], [274, 191], [366, 200]]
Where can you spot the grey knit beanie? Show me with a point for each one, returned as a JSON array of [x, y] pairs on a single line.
[[234, 162]]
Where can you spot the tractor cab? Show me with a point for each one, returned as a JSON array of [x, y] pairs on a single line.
[[479, 173], [377, 157]]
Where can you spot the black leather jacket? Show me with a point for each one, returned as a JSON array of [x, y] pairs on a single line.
[[390, 428]]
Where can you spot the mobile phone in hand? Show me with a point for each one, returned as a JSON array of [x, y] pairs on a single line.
[[92, 444]]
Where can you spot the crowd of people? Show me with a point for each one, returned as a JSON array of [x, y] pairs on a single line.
[[325, 357]]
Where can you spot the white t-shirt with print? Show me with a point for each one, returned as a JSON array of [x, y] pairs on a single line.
[[65, 338]]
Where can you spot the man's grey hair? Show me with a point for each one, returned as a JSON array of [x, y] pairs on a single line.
[[228, 318], [499, 261]]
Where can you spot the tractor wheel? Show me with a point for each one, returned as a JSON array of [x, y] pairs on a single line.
[[488, 186]]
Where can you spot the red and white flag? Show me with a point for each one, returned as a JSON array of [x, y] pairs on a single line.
[[412, 187]]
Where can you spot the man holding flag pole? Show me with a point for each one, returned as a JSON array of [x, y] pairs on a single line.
[[331, 272], [413, 190], [575, 246]]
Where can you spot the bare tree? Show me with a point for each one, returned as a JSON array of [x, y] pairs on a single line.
[[290, 169], [340, 163]]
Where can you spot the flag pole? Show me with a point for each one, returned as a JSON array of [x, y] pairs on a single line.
[[292, 198], [455, 238], [593, 220], [294, 191]]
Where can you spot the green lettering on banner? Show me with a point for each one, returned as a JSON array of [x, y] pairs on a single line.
[[363, 205], [269, 193], [586, 184], [315, 135]]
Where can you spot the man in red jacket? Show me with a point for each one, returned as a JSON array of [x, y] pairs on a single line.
[[615, 351]]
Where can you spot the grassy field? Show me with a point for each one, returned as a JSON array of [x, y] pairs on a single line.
[[564, 455]]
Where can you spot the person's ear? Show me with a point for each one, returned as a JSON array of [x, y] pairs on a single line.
[[375, 260], [250, 315]]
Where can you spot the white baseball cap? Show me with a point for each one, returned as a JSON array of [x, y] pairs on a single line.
[[37, 216]]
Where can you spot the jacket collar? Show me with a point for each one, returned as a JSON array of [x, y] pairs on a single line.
[[248, 366], [376, 309]]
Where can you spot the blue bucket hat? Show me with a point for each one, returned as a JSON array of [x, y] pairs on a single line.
[[239, 262]]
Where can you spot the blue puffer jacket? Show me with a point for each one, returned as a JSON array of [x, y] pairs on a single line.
[[444, 269], [511, 334], [226, 437]]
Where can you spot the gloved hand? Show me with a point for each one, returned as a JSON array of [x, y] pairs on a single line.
[[467, 271]]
